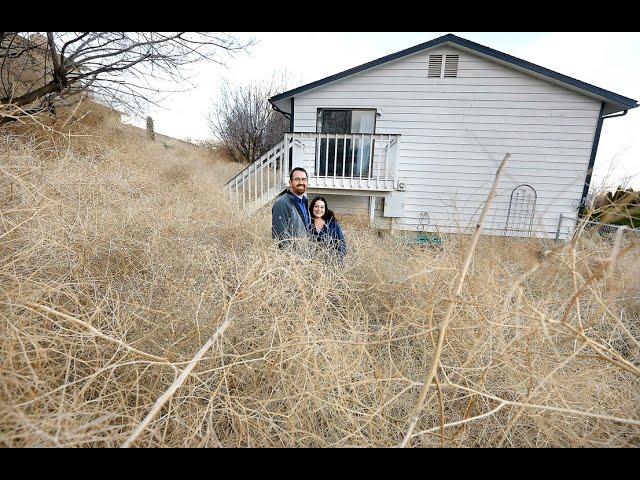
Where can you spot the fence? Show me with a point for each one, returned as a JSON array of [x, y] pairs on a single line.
[[568, 226]]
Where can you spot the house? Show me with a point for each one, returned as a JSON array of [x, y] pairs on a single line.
[[413, 140]]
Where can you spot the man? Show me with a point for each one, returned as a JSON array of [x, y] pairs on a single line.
[[290, 213]]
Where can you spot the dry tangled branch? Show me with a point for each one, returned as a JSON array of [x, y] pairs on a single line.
[[39, 71]]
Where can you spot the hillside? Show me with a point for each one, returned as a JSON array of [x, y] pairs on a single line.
[[140, 307]]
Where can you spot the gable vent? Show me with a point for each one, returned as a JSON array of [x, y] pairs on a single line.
[[451, 66], [435, 66]]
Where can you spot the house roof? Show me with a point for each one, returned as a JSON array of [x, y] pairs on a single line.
[[619, 102]]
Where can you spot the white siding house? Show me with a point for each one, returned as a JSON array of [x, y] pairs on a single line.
[[419, 135]]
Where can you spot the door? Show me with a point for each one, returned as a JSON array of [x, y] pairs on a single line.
[[350, 156]]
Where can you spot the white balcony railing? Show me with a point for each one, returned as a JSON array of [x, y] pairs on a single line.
[[357, 161]]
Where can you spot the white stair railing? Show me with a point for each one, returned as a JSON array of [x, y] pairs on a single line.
[[261, 181]]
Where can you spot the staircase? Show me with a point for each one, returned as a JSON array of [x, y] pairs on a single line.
[[263, 180]]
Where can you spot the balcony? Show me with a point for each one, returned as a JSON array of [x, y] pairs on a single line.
[[358, 161]]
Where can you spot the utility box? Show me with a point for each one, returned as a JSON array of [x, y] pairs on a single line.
[[394, 204]]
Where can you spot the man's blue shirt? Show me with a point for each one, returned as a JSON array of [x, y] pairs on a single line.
[[304, 208]]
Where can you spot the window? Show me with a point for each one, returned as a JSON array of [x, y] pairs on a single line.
[[340, 156], [334, 121], [363, 121]]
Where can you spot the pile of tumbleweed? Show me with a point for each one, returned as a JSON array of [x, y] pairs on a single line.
[[139, 307]]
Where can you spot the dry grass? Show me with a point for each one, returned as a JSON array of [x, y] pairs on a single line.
[[124, 272]]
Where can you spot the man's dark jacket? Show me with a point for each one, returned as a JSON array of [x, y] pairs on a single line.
[[287, 220]]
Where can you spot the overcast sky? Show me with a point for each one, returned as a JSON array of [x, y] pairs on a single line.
[[607, 60]]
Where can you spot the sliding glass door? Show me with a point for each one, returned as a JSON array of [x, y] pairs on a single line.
[[344, 153]]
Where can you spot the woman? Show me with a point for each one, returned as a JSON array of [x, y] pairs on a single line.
[[325, 230]]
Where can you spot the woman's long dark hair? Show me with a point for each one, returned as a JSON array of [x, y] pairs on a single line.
[[328, 214]]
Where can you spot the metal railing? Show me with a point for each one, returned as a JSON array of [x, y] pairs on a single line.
[[569, 226]]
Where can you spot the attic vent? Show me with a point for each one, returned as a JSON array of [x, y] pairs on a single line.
[[451, 66], [435, 66], [450, 70]]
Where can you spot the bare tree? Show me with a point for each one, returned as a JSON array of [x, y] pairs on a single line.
[[38, 69], [244, 122]]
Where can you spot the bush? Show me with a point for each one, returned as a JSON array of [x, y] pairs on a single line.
[[621, 207]]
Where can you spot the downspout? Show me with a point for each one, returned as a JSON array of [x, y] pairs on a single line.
[[287, 115], [614, 115], [291, 116], [592, 159]]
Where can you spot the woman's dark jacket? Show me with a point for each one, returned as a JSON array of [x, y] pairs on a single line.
[[331, 236]]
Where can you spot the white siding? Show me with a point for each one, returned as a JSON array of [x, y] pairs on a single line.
[[455, 131], [344, 204]]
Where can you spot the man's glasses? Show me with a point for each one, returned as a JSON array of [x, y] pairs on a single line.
[[299, 180]]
